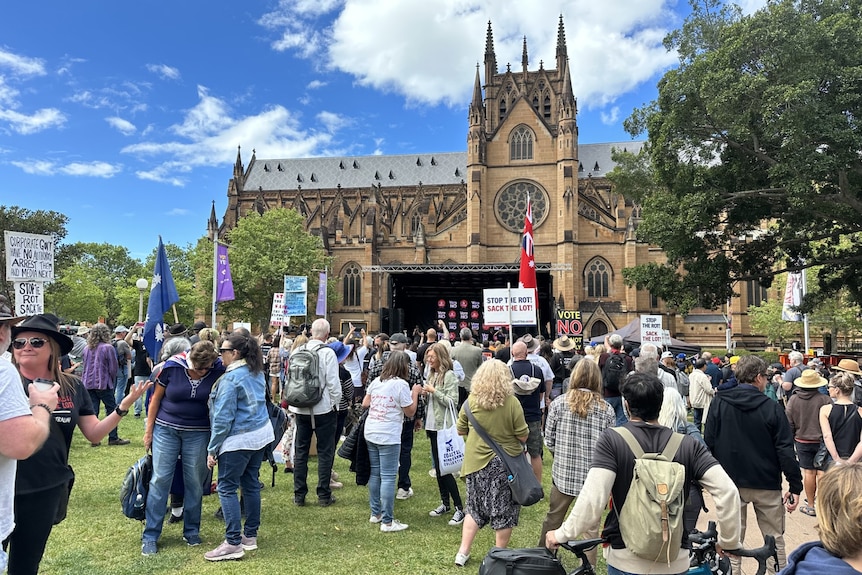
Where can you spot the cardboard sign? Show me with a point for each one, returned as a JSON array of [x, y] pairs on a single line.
[[29, 298], [29, 257], [651, 329], [276, 317]]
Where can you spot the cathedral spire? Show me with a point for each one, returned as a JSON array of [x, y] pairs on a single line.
[[524, 59], [212, 224], [476, 104], [490, 56], [562, 51], [237, 167]]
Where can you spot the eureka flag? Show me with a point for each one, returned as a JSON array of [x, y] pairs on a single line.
[[163, 294], [527, 276], [224, 287]]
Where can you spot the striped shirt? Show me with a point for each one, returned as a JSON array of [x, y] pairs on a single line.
[[572, 439]]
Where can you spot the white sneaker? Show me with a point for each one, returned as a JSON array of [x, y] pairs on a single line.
[[432, 472], [439, 510], [392, 527], [461, 559], [375, 518], [404, 493]]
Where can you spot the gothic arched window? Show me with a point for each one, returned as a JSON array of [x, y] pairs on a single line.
[[598, 277], [521, 144], [352, 286]]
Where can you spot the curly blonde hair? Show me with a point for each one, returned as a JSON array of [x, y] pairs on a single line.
[[587, 376], [491, 385], [99, 333]]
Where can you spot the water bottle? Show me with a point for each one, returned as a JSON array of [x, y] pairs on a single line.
[[139, 501]]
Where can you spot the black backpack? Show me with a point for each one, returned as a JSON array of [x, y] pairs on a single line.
[[614, 371], [136, 485]]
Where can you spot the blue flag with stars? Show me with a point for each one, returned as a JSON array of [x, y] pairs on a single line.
[[163, 294]]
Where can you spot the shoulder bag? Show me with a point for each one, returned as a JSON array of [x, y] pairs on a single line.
[[526, 489]]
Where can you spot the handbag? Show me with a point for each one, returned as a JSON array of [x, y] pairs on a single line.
[[823, 459], [450, 445], [63, 503], [526, 489]]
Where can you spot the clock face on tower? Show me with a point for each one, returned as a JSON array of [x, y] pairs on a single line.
[[510, 205]]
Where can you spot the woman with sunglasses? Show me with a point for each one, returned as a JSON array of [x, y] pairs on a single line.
[[42, 482], [240, 432], [178, 425]]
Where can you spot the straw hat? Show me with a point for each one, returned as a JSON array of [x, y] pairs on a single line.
[[810, 379], [563, 343], [848, 365]]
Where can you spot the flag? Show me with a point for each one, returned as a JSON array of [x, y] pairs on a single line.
[[792, 297], [321, 296], [163, 294], [527, 276], [224, 287]]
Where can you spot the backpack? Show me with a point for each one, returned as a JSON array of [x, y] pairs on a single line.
[[278, 419], [651, 520], [682, 383], [121, 358], [136, 485], [614, 371], [302, 385]]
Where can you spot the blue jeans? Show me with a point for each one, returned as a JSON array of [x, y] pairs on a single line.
[[120, 383], [698, 418], [239, 469], [168, 444], [139, 403], [324, 429], [406, 458], [617, 404], [105, 396], [381, 483]]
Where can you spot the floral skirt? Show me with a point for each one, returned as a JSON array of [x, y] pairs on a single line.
[[489, 498]]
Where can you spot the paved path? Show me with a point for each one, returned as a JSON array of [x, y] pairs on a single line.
[[799, 529]]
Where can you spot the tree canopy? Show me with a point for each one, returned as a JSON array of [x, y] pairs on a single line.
[[14, 218], [753, 162]]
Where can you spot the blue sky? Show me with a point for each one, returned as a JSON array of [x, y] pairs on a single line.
[[126, 116]]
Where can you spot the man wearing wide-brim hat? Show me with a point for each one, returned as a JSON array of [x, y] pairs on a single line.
[[564, 346], [24, 423], [803, 413]]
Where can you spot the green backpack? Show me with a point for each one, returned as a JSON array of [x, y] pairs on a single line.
[[651, 517]]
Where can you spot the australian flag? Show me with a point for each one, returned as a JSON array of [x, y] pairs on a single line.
[[163, 294], [527, 276]]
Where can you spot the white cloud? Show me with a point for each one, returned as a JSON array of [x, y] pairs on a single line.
[[421, 49], [8, 94], [86, 169], [166, 72], [610, 117], [21, 65], [315, 85], [209, 133], [178, 212], [31, 123], [125, 127]]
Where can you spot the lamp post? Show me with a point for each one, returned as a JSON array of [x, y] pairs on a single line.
[[142, 285]]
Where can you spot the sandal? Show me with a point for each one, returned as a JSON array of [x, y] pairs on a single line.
[[808, 510]]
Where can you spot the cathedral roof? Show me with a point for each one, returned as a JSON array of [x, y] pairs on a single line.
[[392, 171]]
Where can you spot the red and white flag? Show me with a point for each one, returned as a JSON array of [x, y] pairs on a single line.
[[527, 276]]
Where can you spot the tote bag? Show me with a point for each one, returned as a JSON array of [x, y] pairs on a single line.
[[450, 445]]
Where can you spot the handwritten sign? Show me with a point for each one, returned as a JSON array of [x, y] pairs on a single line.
[[651, 329], [29, 257], [29, 298]]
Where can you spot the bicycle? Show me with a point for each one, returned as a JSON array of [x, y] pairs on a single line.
[[704, 559]]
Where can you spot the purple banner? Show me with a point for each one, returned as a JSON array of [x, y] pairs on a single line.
[[321, 296], [224, 287]]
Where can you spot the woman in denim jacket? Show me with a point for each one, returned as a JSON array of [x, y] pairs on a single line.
[[240, 432]]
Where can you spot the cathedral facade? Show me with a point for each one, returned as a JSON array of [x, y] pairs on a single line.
[[416, 238]]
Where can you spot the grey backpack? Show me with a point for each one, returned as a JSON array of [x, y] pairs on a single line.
[[302, 386]]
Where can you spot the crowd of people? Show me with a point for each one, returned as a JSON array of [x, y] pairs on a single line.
[[745, 430]]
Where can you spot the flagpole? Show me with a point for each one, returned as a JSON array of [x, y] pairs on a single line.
[[215, 278]]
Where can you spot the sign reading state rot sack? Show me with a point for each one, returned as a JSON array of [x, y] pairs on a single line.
[[502, 305]]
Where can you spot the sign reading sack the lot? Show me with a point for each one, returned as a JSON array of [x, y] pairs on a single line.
[[29, 298], [651, 331], [502, 305]]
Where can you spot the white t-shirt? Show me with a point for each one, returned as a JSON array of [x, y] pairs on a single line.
[[13, 403], [386, 413]]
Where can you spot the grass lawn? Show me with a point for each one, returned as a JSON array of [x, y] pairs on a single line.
[[97, 539]]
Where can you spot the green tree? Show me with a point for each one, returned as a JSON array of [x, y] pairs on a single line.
[[76, 296], [263, 249], [13, 218], [752, 164], [765, 319]]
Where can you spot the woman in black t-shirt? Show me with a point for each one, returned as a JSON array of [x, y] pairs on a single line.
[[43, 481]]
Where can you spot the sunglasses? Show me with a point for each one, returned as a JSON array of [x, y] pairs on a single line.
[[35, 342], [224, 349]]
